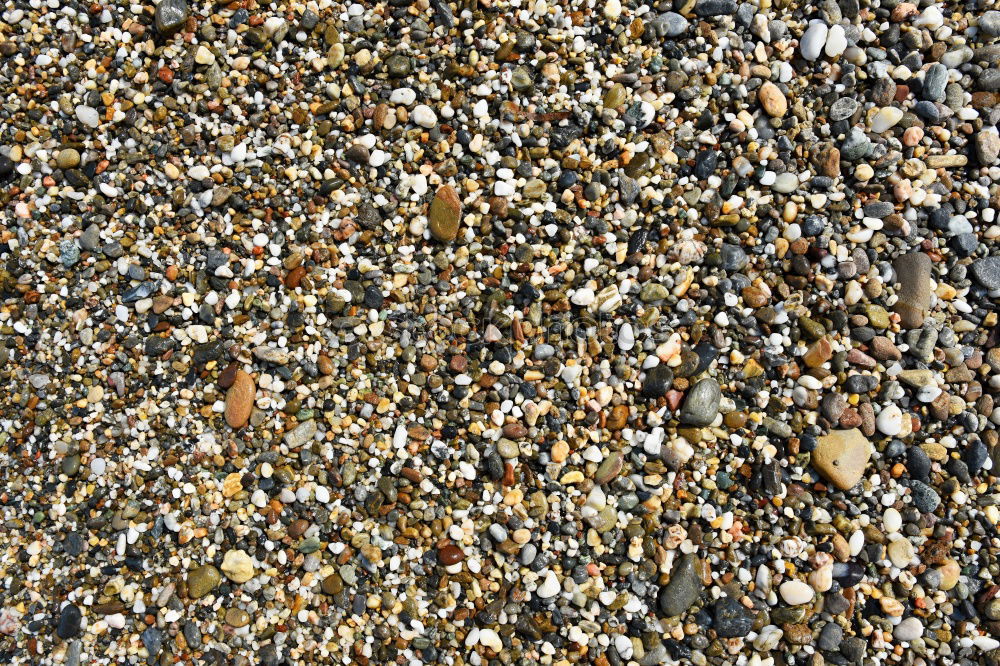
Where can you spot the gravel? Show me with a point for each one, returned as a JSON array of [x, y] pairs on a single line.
[[532, 332]]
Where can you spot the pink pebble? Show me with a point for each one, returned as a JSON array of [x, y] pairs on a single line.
[[902, 190], [912, 136]]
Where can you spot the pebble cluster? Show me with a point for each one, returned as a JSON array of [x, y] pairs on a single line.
[[499, 332]]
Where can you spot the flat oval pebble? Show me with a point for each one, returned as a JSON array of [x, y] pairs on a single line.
[[239, 399], [450, 554], [795, 592]]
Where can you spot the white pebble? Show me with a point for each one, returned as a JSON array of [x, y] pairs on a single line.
[[812, 42], [891, 520], [795, 592], [424, 116], [549, 588], [836, 41], [88, 116], [583, 297], [886, 118], [890, 421], [909, 629], [404, 96], [626, 337]]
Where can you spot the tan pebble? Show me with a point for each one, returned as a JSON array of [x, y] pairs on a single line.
[[772, 99], [232, 484], [239, 400], [237, 566], [842, 456], [560, 450]]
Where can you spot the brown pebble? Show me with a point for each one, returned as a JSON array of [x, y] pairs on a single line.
[[514, 430], [618, 417], [324, 364], [772, 99], [297, 528], [428, 363], [458, 363], [294, 277], [450, 554], [239, 400], [228, 376]]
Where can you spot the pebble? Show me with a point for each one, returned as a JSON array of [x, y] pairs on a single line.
[[239, 400], [890, 421], [732, 619], [914, 296], [683, 589], [424, 116], [885, 119], [301, 434], [773, 100], [202, 580], [909, 629], [170, 15], [445, 215], [237, 566], [795, 592], [813, 40], [70, 621], [842, 457], [986, 272], [701, 405]]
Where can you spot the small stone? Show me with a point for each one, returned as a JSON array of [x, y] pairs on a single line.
[[925, 498], [836, 41], [237, 566], [707, 8], [658, 381], [935, 80], [450, 554], [683, 589], [152, 640], [550, 586], [988, 146], [843, 108], [610, 468], [701, 405], [901, 552], [842, 457], [204, 56], [445, 214], [813, 40], [301, 435], [424, 116], [333, 584], [890, 421], [732, 619], [88, 116], [772, 99], [68, 158], [913, 271], [170, 15], [796, 593], [202, 580], [70, 619], [237, 617], [240, 399], [885, 119], [989, 23], [986, 272], [909, 629]]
